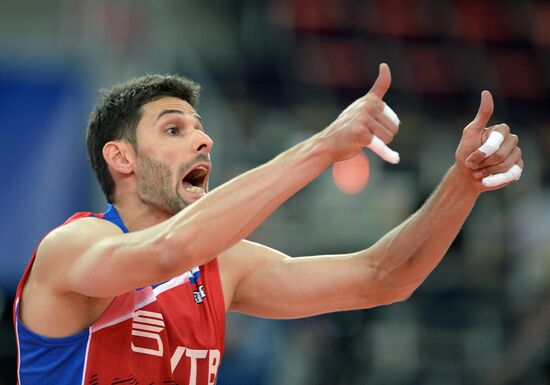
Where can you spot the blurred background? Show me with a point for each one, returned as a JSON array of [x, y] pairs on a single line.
[[275, 72]]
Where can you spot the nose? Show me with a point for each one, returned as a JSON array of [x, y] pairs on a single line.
[[202, 143]]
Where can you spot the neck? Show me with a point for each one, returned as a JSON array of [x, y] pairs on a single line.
[[137, 215]]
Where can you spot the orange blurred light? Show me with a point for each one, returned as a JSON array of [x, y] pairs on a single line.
[[351, 175]]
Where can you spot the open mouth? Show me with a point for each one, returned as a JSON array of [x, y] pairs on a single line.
[[195, 179]]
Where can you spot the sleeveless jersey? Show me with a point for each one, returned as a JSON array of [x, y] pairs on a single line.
[[170, 333]]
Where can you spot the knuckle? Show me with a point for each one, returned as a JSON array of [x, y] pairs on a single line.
[[356, 131], [369, 107], [504, 127], [367, 104]]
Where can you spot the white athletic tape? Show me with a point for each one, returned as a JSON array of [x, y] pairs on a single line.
[[380, 148], [492, 144], [391, 115], [514, 173]]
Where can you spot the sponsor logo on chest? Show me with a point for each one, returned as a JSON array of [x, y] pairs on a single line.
[[146, 339]]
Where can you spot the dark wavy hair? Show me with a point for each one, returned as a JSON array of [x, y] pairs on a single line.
[[118, 112]]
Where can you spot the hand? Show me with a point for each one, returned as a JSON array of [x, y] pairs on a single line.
[[367, 122], [488, 157]]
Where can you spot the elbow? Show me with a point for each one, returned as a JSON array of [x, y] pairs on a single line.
[[405, 292], [400, 289], [393, 298], [403, 295], [394, 295]]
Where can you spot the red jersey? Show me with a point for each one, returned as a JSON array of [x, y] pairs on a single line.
[[170, 333]]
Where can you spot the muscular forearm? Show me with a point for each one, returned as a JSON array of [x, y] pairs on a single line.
[[232, 211], [405, 256]]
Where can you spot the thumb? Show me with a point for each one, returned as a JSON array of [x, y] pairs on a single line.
[[484, 113], [382, 82]]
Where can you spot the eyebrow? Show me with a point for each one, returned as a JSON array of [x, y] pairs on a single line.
[[164, 112]]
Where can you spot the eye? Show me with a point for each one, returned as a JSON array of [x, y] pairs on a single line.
[[172, 131]]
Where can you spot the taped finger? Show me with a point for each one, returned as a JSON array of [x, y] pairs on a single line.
[[513, 158], [388, 112], [379, 147], [514, 173], [492, 144]]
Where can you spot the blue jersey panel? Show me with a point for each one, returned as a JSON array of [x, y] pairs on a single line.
[[44, 360], [112, 216]]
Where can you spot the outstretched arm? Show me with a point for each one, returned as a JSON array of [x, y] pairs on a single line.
[[104, 263], [263, 282]]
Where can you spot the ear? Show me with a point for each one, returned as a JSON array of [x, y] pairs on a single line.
[[120, 156]]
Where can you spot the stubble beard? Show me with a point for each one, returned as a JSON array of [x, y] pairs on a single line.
[[156, 187]]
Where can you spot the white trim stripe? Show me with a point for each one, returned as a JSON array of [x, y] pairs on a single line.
[[148, 299], [151, 297], [126, 316], [172, 283], [17, 341], [86, 355]]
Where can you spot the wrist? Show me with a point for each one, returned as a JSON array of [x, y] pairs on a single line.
[[307, 159], [463, 184], [321, 148]]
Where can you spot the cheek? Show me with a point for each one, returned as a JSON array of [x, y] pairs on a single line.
[[149, 170], [167, 153]]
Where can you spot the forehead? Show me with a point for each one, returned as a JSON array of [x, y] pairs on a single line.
[[156, 107]]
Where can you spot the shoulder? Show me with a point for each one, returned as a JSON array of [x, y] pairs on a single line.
[[47, 288], [65, 244], [77, 234]]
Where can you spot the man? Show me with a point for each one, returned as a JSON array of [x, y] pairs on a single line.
[[139, 293]]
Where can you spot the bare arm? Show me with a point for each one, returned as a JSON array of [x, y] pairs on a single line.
[[263, 282], [274, 285], [105, 263]]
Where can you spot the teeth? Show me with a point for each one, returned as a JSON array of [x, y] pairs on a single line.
[[195, 189]]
